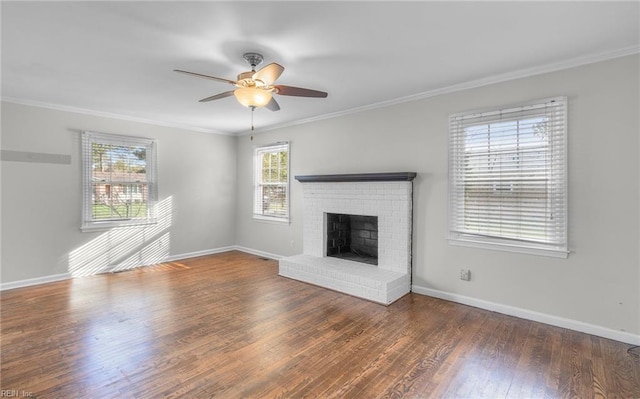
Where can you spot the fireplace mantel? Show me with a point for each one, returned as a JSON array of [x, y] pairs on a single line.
[[357, 177]]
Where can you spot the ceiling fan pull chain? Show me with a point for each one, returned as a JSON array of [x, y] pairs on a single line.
[[252, 109]]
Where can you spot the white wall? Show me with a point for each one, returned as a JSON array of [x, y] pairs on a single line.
[[41, 203], [599, 284]]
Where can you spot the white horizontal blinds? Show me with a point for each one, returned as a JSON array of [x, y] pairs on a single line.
[[120, 178], [508, 174], [271, 180]]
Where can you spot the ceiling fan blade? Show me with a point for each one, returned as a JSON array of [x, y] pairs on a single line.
[[298, 92], [273, 105], [217, 96], [269, 74], [233, 82]]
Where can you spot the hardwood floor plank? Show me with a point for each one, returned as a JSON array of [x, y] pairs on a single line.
[[228, 326]]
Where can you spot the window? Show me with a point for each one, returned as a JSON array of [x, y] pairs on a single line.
[[271, 182], [119, 181], [507, 178]]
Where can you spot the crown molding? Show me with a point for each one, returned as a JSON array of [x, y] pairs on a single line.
[[519, 74], [128, 118]]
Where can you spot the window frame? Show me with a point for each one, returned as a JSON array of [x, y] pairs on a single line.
[[257, 182], [151, 177], [457, 124]]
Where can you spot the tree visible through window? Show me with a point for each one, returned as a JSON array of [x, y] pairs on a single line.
[[271, 182], [119, 180]]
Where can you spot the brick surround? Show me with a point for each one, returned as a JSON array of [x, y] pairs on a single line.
[[391, 203]]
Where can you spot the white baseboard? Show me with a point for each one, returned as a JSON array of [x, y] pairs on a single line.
[[257, 252], [570, 324], [195, 254], [33, 281]]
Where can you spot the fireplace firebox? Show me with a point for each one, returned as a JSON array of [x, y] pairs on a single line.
[[352, 237]]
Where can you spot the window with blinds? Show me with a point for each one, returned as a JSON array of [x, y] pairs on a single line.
[[119, 181], [271, 182], [508, 178]]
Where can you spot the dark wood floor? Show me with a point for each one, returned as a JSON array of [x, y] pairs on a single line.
[[227, 326]]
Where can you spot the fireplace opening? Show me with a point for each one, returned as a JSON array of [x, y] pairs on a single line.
[[353, 237]]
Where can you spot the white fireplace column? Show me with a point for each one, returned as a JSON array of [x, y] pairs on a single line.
[[388, 196]]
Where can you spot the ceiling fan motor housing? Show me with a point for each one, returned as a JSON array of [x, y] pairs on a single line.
[[246, 79]]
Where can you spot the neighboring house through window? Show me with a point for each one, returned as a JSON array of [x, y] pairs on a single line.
[[271, 182], [507, 178], [119, 181]]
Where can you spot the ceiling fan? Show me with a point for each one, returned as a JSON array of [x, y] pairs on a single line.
[[255, 88]]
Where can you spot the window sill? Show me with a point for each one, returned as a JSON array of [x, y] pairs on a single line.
[[270, 219], [531, 249], [104, 226]]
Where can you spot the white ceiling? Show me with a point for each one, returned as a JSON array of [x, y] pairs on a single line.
[[118, 57]]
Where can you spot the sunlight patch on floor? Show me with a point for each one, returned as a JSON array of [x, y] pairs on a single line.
[[125, 248]]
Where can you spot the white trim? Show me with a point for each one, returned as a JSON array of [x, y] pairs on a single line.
[[106, 226], [521, 249], [258, 152], [34, 281], [271, 219], [89, 138], [622, 336], [258, 252], [195, 254], [553, 230], [505, 77], [103, 114], [522, 73]]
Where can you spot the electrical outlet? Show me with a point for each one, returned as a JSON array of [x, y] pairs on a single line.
[[465, 274]]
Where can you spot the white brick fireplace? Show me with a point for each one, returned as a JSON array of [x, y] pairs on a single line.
[[387, 196]]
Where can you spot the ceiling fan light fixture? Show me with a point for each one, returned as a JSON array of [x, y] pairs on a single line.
[[252, 97]]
